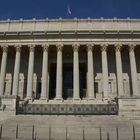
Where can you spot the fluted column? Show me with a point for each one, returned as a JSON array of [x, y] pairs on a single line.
[[30, 71], [16, 71], [44, 88], [3, 68], [104, 70], [76, 87], [90, 72], [135, 87], [59, 72], [119, 69]]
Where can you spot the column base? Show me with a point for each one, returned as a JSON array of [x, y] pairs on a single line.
[[44, 98], [28, 98], [91, 98], [106, 98], [59, 99], [76, 98]]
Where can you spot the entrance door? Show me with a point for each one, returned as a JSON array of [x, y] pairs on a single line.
[[67, 81]]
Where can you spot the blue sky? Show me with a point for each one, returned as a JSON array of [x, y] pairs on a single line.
[[27, 9]]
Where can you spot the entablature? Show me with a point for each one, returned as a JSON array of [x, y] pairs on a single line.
[[70, 32], [70, 43]]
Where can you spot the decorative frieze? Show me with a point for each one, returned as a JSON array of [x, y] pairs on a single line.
[[77, 109]]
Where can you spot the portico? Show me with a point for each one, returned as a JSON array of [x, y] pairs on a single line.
[[70, 73], [71, 65]]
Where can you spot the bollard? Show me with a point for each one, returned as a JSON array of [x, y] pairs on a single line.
[[17, 132], [108, 136], [134, 134], [117, 132], [100, 133], [35, 136], [0, 131], [83, 133], [33, 129], [49, 133], [67, 134]]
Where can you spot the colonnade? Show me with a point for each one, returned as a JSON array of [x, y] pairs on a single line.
[[59, 79]]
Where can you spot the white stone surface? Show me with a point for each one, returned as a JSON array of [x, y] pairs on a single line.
[[109, 74], [30, 73]]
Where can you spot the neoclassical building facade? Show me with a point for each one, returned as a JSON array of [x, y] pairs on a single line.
[[70, 66]]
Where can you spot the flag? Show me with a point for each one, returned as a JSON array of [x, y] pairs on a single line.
[[69, 10]]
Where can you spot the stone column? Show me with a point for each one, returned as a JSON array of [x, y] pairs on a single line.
[[76, 92], [119, 70], [133, 70], [104, 70], [90, 77], [59, 72], [30, 72], [3, 68], [44, 88], [16, 71]]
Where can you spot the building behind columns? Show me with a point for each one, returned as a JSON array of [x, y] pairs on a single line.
[[70, 66]]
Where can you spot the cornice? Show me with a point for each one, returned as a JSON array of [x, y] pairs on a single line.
[[32, 27], [72, 20], [69, 32]]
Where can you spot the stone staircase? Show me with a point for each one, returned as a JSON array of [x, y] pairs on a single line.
[[70, 128]]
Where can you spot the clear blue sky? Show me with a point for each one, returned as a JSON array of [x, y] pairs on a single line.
[[26, 9]]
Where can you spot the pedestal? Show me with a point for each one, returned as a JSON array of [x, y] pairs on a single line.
[[129, 106], [8, 105]]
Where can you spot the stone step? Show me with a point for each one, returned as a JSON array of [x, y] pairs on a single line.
[[59, 133], [95, 127]]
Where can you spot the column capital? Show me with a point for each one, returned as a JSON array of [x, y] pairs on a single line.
[[45, 47], [31, 47], [131, 47], [118, 47], [104, 47], [90, 46], [76, 46], [4, 47], [18, 47], [59, 46]]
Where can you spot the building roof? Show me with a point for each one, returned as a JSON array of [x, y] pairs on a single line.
[[67, 25]]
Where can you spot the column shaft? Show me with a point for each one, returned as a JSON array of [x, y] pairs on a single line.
[[59, 72], [104, 70], [119, 70], [135, 87], [76, 87], [44, 89], [16, 71], [3, 69], [90, 77], [30, 72]]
